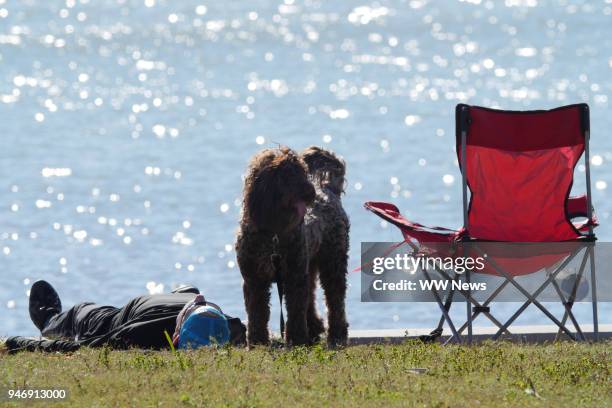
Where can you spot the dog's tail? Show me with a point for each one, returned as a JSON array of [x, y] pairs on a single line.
[[325, 167]]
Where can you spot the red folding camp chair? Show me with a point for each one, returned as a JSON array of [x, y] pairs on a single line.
[[519, 168]]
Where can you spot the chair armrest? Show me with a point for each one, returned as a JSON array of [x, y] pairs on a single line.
[[578, 207]]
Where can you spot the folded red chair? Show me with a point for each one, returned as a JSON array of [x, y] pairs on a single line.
[[519, 168]]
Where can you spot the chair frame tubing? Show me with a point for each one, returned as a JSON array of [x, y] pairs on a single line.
[[464, 123]]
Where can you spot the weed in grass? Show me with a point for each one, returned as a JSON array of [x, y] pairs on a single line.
[[104, 356], [182, 362]]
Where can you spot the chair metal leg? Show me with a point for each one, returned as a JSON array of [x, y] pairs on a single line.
[[594, 293], [485, 305], [568, 310], [444, 311], [468, 306], [572, 297], [531, 298], [447, 306], [474, 302], [445, 275]]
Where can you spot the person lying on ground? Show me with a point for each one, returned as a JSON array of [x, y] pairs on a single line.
[[144, 322]]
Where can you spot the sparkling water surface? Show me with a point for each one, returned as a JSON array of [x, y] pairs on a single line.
[[126, 127]]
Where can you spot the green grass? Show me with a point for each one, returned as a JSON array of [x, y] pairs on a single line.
[[488, 375]]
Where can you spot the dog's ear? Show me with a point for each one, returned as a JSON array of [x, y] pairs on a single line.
[[263, 198]]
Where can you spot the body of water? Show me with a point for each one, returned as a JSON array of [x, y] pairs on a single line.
[[126, 127]]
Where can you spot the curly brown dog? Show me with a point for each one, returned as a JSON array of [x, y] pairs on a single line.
[[292, 210]]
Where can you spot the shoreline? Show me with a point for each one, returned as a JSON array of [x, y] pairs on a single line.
[[532, 334]]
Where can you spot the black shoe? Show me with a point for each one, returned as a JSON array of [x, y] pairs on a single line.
[[431, 337], [44, 303], [186, 289]]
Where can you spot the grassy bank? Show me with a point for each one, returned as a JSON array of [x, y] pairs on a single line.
[[494, 374]]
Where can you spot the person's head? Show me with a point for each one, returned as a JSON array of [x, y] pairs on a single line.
[[201, 324]]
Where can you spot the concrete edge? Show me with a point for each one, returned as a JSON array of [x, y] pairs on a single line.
[[519, 334]]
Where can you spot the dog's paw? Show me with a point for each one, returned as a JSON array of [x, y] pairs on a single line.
[[296, 340], [337, 342], [315, 329], [337, 336], [257, 342]]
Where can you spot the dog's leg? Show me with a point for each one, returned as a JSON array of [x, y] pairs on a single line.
[[257, 303], [333, 280], [315, 324], [296, 296]]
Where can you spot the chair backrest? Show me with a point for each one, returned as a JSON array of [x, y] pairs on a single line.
[[519, 167]]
